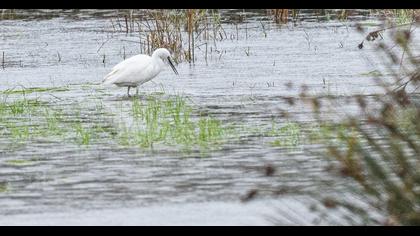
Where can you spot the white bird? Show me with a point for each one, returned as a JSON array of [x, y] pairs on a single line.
[[139, 69]]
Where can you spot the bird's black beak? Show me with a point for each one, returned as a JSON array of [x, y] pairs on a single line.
[[172, 65]]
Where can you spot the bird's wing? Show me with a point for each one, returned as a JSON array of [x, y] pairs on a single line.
[[134, 63]]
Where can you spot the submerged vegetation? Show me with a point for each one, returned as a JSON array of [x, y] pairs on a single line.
[[289, 135], [155, 121], [3, 187], [34, 90], [172, 122]]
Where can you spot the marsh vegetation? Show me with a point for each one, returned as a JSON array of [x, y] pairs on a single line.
[[314, 104]]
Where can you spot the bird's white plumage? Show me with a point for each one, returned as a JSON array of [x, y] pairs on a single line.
[[138, 69], [135, 70]]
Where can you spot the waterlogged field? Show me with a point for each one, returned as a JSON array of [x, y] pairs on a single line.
[[152, 122], [211, 134]]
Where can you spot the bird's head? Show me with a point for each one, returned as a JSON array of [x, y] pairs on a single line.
[[165, 56]]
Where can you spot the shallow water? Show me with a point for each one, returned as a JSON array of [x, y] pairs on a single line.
[[107, 179]]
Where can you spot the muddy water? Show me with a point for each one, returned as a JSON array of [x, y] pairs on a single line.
[[242, 80]]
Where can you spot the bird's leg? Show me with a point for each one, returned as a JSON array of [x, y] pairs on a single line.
[[137, 91], [128, 91]]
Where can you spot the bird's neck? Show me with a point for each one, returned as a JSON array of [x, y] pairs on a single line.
[[159, 62], [155, 55]]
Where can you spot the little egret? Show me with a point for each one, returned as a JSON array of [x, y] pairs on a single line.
[[139, 69]]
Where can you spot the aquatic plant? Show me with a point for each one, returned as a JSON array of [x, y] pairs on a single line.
[[15, 117], [3, 187], [382, 153], [18, 163], [400, 16], [378, 149], [178, 30], [289, 135], [35, 90], [19, 107], [7, 14], [23, 119], [53, 118], [279, 15], [155, 121], [282, 16], [169, 121], [83, 135]]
